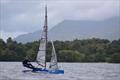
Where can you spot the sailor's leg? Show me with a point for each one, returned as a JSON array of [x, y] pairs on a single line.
[[31, 66]]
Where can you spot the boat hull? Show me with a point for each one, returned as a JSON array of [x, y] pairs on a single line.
[[53, 71]]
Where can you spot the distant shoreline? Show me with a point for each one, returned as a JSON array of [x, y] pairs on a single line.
[[67, 62]]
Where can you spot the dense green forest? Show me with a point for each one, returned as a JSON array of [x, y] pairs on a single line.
[[87, 50]]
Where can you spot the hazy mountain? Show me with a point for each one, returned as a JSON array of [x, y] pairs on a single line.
[[28, 37], [71, 29]]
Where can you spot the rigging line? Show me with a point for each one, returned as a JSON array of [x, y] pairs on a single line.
[[40, 64], [54, 64]]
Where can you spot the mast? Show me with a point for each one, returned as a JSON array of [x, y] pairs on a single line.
[[46, 29], [41, 56]]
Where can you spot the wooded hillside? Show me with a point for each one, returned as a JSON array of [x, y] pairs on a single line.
[[88, 50]]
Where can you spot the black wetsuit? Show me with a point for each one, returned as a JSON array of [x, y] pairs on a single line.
[[26, 63]]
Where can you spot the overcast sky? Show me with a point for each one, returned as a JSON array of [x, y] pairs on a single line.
[[24, 16]]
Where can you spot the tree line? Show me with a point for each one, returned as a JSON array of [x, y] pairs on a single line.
[[87, 50]]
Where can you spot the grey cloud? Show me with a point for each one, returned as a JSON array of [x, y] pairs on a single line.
[[28, 15]]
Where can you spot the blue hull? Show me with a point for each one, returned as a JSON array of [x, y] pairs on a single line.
[[53, 71]]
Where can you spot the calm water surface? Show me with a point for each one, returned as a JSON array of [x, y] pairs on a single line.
[[73, 71]]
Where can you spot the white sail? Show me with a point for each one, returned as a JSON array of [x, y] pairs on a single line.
[[53, 62], [41, 56], [42, 51]]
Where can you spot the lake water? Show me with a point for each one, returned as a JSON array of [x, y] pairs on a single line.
[[73, 71]]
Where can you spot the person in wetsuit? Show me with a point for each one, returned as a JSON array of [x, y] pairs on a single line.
[[26, 63]]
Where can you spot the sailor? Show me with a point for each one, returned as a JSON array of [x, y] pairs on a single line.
[[26, 63]]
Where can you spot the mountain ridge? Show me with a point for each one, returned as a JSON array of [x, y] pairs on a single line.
[[81, 29]]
